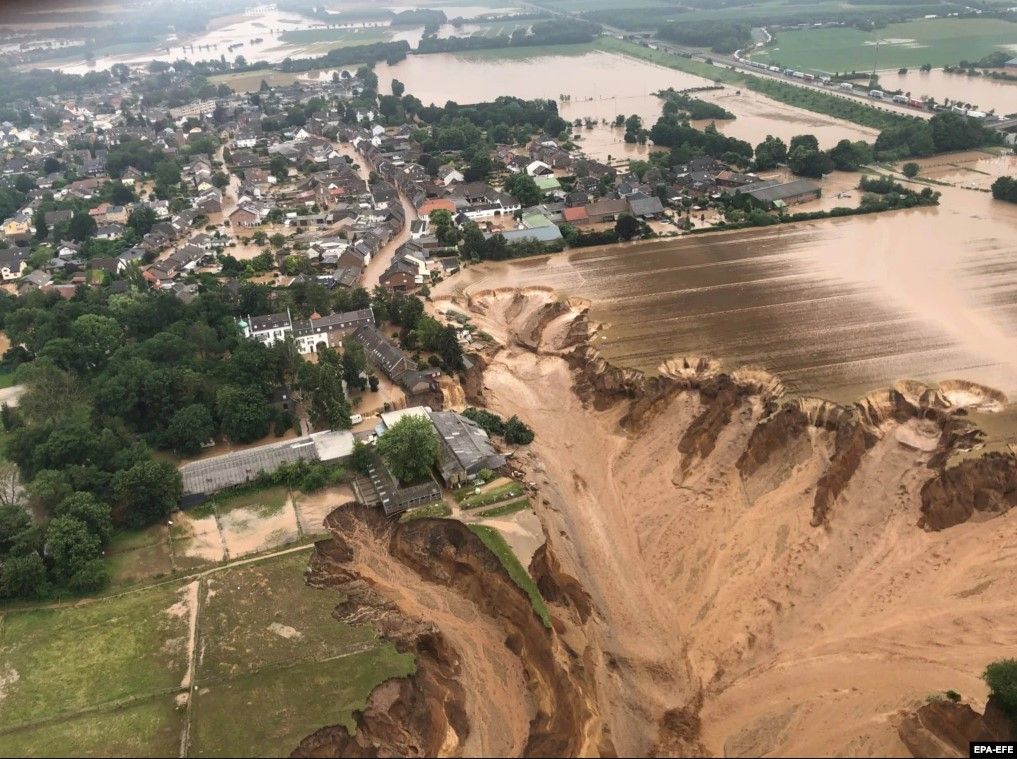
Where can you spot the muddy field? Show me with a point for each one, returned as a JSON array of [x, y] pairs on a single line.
[[835, 308]]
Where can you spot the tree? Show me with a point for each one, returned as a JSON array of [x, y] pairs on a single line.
[[627, 226], [1001, 677], [96, 337], [398, 88], [329, 407], [770, 152], [1005, 188], [446, 345], [41, 228], [81, 227], [94, 514], [277, 240], [147, 492], [243, 413], [523, 188], [910, 169], [803, 140], [807, 162], [22, 576], [279, 167], [71, 545], [517, 432], [409, 448], [850, 156], [12, 495], [141, 220], [189, 429], [361, 458], [444, 227], [167, 176]]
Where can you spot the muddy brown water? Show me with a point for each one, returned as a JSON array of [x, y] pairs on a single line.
[[835, 308], [984, 93], [600, 86]]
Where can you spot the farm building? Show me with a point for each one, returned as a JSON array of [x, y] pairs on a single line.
[[781, 194], [204, 478]]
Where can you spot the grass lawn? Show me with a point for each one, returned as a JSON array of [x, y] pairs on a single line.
[[506, 509], [939, 42], [267, 713], [341, 37], [689, 66], [510, 490], [6, 379], [273, 666], [250, 81], [264, 503], [500, 548], [262, 614], [434, 510], [148, 728], [140, 554], [74, 657], [520, 53]]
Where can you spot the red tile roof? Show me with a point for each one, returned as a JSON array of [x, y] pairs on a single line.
[[576, 213]]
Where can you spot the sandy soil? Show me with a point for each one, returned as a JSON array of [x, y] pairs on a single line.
[[798, 640], [495, 674], [245, 531], [200, 540], [312, 508]]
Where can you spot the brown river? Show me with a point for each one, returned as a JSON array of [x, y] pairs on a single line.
[[835, 308]]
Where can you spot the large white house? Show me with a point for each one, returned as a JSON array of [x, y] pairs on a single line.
[[310, 334]]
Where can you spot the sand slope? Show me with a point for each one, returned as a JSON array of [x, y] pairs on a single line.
[[714, 594]]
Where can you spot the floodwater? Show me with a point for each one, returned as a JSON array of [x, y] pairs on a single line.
[[982, 92], [835, 308], [600, 86]]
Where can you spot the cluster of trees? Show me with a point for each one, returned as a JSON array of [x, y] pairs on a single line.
[[417, 329], [687, 142], [513, 430], [390, 52], [321, 384], [944, 132], [576, 32], [885, 194], [684, 105], [1001, 677], [498, 118], [719, 36], [1005, 188]]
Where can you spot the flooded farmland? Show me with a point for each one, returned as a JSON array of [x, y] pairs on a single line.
[[983, 93], [835, 308], [600, 86]]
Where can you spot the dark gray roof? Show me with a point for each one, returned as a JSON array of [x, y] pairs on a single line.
[[770, 192], [211, 475], [464, 443]]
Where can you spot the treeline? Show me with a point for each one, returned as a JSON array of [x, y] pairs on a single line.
[[687, 142], [505, 111], [28, 85], [1005, 188], [720, 36], [944, 132], [390, 52], [418, 330], [543, 33], [683, 104]]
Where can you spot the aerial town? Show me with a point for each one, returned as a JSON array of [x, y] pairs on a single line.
[[580, 378]]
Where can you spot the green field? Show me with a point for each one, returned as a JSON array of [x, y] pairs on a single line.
[[339, 37], [939, 42], [108, 678]]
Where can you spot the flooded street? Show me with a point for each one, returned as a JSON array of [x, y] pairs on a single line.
[[835, 308]]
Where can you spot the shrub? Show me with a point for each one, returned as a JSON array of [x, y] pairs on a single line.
[[1001, 677]]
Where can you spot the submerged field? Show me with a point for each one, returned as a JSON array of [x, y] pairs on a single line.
[[939, 42], [254, 649]]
